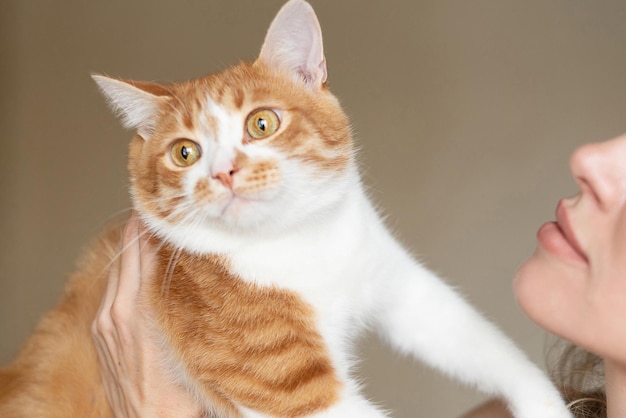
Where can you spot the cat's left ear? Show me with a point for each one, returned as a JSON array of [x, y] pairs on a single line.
[[294, 44], [137, 103]]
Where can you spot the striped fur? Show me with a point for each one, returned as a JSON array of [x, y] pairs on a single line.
[[247, 345]]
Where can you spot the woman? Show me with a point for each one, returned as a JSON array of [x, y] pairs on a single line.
[[574, 286]]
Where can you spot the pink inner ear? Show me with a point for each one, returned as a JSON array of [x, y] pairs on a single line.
[[294, 44]]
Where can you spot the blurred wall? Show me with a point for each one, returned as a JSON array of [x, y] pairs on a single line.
[[466, 113]]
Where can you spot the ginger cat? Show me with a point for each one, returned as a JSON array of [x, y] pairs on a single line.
[[272, 258]]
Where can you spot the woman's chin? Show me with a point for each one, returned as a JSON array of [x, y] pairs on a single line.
[[547, 289]]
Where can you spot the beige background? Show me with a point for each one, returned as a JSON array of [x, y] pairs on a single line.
[[466, 113]]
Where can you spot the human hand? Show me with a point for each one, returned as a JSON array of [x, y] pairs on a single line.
[[135, 382]]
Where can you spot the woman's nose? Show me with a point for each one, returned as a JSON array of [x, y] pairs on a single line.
[[600, 170]]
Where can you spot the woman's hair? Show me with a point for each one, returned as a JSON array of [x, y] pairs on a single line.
[[579, 375]]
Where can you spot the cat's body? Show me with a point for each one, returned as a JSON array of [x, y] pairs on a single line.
[[272, 258]]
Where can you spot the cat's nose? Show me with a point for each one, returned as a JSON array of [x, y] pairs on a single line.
[[226, 177]]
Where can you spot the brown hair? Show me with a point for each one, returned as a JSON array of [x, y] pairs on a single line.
[[579, 375]]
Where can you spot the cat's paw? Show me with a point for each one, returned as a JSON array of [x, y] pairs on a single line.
[[536, 397], [550, 408]]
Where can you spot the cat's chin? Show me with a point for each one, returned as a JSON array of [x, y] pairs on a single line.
[[240, 214]]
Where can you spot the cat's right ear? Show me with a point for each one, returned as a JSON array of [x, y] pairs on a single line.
[[134, 102]]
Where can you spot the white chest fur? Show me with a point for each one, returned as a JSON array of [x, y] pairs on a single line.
[[330, 263]]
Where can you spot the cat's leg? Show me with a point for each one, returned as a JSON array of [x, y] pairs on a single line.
[[424, 317]]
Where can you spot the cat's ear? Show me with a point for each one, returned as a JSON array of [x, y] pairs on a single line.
[[294, 44], [137, 103]]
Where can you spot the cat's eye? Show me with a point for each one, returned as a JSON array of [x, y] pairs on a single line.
[[262, 123], [184, 152]]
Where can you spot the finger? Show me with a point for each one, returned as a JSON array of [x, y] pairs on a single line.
[[112, 389], [148, 254], [109, 369], [102, 318], [102, 321], [130, 271]]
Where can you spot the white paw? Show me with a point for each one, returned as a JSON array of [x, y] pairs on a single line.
[[550, 408]]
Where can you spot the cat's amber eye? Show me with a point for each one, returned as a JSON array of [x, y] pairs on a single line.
[[184, 152], [262, 123]]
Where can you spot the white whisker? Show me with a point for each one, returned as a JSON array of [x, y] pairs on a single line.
[[162, 201], [119, 253], [174, 257], [115, 215], [169, 272]]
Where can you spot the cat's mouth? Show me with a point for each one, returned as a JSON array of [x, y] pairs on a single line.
[[248, 199]]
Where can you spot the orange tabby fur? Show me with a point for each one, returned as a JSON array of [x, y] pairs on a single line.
[[233, 336], [229, 335], [56, 374]]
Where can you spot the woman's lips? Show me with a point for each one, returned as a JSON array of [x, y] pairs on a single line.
[[558, 237]]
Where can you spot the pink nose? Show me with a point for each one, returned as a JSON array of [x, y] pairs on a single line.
[[226, 177]]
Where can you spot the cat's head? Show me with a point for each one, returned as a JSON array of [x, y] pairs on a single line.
[[259, 146]]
